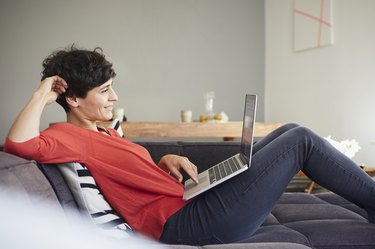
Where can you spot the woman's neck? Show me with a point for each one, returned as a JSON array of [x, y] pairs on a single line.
[[83, 123]]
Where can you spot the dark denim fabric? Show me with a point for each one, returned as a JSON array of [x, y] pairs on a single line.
[[235, 209]]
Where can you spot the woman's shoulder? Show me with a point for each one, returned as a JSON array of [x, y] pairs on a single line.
[[61, 125], [64, 128]]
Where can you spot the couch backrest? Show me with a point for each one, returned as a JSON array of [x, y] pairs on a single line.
[[23, 177], [202, 154]]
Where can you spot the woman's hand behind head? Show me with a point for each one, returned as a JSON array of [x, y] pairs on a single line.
[[52, 88]]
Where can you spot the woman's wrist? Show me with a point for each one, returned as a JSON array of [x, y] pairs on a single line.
[[39, 96]]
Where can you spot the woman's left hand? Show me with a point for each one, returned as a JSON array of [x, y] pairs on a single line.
[[173, 163]]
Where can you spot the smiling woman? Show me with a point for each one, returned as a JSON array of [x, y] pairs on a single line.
[[96, 105], [89, 95], [82, 69], [80, 81]]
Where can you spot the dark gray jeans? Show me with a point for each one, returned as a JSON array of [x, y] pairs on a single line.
[[235, 209]]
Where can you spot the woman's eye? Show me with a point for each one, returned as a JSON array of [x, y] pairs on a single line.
[[105, 90]]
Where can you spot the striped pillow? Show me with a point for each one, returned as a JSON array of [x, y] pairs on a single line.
[[116, 124], [91, 201]]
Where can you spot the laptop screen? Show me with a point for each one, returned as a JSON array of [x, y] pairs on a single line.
[[248, 125]]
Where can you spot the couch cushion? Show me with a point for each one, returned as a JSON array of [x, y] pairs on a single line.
[[301, 206], [313, 221], [342, 202], [24, 177], [266, 245], [277, 233], [336, 233], [258, 246]]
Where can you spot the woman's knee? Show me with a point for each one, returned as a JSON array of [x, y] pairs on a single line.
[[290, 126], [303, 133]]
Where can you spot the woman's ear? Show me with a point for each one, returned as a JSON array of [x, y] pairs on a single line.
[[72, 101]]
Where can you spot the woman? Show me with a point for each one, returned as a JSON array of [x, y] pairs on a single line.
[[149, 196]]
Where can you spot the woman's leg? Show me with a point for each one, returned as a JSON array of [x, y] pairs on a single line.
[[272, 136], [234, 210]]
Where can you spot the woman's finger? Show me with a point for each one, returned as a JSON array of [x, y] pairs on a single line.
[[191, 169], [59, 84], [176, 174]]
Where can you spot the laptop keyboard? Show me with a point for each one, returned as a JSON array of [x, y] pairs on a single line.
[[223, 169]]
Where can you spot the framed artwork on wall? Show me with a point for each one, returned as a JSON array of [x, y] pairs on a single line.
[[313, 24]]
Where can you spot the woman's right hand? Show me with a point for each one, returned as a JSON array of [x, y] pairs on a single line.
[[49, 90], [52, 88]]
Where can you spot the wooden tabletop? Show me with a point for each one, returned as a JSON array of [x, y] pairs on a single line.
[[190, 130], [370, 171]]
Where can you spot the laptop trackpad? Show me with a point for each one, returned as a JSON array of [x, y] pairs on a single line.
[[204, 181]]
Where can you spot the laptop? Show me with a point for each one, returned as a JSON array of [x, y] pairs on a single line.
[[232, 166]]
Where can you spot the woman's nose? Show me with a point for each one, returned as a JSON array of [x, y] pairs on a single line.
[[114, 96]]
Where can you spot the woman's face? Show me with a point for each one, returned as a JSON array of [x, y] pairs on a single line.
[[98, 103]]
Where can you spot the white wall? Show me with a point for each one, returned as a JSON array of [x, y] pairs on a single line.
[[330, 89], [167, 53]]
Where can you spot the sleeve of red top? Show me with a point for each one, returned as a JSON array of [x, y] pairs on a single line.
[[42, 147]]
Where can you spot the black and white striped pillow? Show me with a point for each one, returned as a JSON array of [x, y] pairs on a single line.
[[116, 124], [91, 201], [89, 198]]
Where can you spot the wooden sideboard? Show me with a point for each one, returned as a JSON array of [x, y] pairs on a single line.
[[228, 130]]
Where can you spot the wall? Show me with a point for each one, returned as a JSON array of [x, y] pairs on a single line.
[[330, 89], [167, 53]]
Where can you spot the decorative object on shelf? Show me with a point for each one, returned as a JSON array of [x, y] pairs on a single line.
[[210, 115], [222, 117], [313, 24], [118, 113], [347, 147], [186, 116], [203, 118], [209, 104]]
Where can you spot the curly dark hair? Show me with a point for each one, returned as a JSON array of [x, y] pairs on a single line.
[[83, 70]]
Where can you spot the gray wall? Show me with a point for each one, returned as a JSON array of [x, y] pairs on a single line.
[[167, 53], [330, 89]]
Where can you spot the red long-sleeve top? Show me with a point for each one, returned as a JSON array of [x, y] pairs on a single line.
[[133, 184]]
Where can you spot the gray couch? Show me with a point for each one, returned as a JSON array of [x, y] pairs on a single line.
[[299, 220]]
